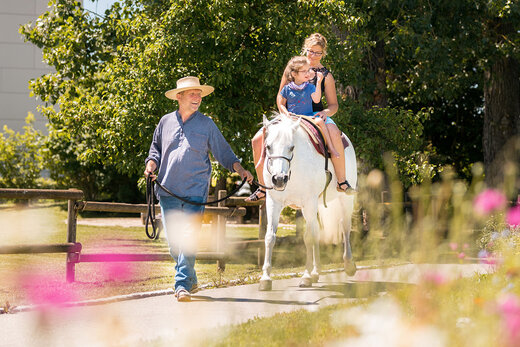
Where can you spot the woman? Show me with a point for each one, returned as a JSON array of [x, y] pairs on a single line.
[[314, 48]]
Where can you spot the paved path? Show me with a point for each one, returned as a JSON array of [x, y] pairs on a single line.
[[161, 318]]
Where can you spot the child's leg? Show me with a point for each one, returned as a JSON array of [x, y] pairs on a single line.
[[338, 162], [330, 143]]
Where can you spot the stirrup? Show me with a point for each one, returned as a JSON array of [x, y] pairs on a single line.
[[349, 190], [254, 197]]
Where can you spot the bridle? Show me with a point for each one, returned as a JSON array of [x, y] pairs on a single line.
[[271, 157]]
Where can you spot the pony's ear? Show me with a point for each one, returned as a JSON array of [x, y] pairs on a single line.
[[296, 124], [265, 121]]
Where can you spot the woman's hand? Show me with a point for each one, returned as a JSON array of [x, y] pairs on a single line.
[[320, 76], [322, 115]]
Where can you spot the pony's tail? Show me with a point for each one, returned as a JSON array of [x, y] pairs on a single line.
[[336, 219]]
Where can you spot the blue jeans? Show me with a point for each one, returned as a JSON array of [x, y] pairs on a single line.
[[185, 276]]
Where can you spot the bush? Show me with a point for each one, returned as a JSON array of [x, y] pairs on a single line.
[[21, 161]]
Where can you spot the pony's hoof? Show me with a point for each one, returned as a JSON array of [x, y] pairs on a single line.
[[350, 268], [305, 282], [265, 285], [315, 278]]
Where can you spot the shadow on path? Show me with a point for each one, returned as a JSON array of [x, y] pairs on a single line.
[[263, 301]]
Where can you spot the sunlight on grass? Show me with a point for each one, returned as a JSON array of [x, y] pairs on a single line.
[[449, 221]]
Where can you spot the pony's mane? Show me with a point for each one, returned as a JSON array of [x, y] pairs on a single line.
[[281, 124]]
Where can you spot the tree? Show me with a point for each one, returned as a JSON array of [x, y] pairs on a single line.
[[21, 157], [112, 72]]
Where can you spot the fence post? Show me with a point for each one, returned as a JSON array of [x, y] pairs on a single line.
[[221, 232], [71, 237]]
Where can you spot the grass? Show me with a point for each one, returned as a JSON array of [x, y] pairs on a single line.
[[297, 328], [46, 224]]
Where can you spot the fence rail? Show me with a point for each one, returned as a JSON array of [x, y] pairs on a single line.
[[74, 249]]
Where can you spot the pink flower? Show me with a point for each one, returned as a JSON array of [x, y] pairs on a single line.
[[461, 255], [488, 201], [486, 257], [434, 277], [118, 271], [513, 216], [116, 267], [46, 289], [454, 246], [509, 308]]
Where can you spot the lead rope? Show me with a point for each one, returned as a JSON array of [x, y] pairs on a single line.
[[150, 213], [150, 194]]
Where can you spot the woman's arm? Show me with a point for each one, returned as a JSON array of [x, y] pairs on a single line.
[[316, 96], [330, 96]]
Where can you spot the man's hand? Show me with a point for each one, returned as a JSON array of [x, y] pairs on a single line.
[[149, 170], [243, 172]]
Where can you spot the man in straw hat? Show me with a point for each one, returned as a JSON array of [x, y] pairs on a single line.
[[180, 150]]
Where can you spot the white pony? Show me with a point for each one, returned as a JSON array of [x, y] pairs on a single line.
[[296, 172]]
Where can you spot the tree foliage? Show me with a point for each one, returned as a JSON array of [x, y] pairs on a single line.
[[21, 157], [409, 74]]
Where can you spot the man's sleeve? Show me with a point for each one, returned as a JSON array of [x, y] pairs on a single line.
[[155, 148], [221, 149]]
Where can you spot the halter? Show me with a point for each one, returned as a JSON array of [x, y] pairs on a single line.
[[271, 157]]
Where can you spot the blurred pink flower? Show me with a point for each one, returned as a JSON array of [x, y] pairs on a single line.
[[465, 246], [513, 216], [118, 271], [454, 246], [116, 267], [46, 289], [434, 277], [488, 201], [509, 308], [461, 255]]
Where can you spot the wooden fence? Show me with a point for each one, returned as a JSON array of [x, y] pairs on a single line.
[[219, 213]]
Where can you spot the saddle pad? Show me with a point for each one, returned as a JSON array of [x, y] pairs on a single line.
[[316, 139]]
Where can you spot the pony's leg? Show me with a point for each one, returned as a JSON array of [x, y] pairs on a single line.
[[273, 210], [348, 259], [311, 239]]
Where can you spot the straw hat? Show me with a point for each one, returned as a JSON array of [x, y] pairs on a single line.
[[187, 83]]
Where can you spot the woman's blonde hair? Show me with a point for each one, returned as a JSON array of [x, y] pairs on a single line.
[[295, 65], [315, 39]]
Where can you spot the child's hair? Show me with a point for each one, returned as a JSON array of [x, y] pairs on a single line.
[[315, 39], [295, 65]]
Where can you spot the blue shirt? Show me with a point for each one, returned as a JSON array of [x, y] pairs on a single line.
[[181, 151], [299, 101]]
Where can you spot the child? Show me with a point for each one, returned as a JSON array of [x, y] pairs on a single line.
[[297, 95]]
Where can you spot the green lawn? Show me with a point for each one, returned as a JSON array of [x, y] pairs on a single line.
[[95, 280]]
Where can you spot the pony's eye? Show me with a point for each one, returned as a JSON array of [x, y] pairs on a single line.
[[291, 148], [268, 147]]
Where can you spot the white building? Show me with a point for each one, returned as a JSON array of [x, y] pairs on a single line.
[[19, 62]]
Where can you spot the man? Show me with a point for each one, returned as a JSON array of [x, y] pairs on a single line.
[[180, 150]]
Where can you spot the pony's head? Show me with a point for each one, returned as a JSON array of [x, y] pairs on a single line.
[[279, 147]]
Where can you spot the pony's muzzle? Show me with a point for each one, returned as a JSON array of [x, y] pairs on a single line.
[[280, 181]]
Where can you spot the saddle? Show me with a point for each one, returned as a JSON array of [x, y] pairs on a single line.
[[316, 139]]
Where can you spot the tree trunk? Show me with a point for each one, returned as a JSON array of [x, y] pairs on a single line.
[[501, 115], [377, 64]]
